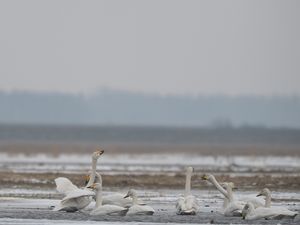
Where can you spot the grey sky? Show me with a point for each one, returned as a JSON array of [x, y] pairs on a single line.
[[210, 47]]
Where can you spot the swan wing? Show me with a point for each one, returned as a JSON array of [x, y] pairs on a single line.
[[73, 204], [180, 204], [64, 185], [140, 210], [77, 194], [109, 210], [256, 201], [116, 199], [191, 203], [233, 209]]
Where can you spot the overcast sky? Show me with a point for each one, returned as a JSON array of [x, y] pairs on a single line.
[[190, 47]]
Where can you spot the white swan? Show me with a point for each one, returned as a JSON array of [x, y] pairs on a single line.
[[115, 198], [136, 208], [251, 213], [187, 205], [76, 198], [267, 194], [231, 205], [105, 209]]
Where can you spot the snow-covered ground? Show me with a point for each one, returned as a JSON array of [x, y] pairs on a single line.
[[147, 163]]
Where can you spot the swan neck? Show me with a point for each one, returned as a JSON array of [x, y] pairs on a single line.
[[93, 174], [229, 193], [134, 199], [219, 187], [98, 197], [188, 183], [268, 200]]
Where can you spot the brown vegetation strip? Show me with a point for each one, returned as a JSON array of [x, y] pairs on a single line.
[[46, 180]]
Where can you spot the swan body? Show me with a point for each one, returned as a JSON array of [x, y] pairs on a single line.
[[105, 209], [251, 213], [231, 205], [136, 208], [76, 198], [267, 194], [117, 199], [112, 199], [187, 205]]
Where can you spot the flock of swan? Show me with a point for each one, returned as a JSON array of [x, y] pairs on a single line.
[[77, 199]]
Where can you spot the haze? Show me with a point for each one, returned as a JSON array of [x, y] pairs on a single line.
[[190, 47]]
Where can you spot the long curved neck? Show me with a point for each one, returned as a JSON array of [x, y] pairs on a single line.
[[268, 200], [229, 193], [134, 199], [93, 174], [98, 197], [219, 187], [188, 183]]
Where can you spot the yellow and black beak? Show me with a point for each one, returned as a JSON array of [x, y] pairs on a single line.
[[93, 186], [204, 177], [86, 179], [100, 151]]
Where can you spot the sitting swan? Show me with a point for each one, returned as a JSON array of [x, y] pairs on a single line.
[[187, 205], [136, 208], [267, 194], [251, 213], [76, 198], [112, 199], [105, 209], [231, 205]]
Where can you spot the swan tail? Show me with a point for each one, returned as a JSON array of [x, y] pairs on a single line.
[[64, 185]]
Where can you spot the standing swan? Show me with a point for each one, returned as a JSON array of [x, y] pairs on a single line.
[[136, 208], [187, 205], [76, 198]]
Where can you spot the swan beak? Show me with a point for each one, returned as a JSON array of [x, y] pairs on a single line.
[[100, 152], [87, 178], [259, 195], [204, 177], [93, 186], [244, 217], [126, 196]]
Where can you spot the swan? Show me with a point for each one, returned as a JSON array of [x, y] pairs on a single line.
[[76, 198], [136, 208], [105, 209], [187, 205], [229, 197], [267, 194], [251, 213], [115, 198], [233, 207]]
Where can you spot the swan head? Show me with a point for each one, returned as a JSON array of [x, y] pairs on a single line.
[[96, 186], [97, 154], [131, 193], [207, 177], [264, 192], [189, 169], [247, 209]]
